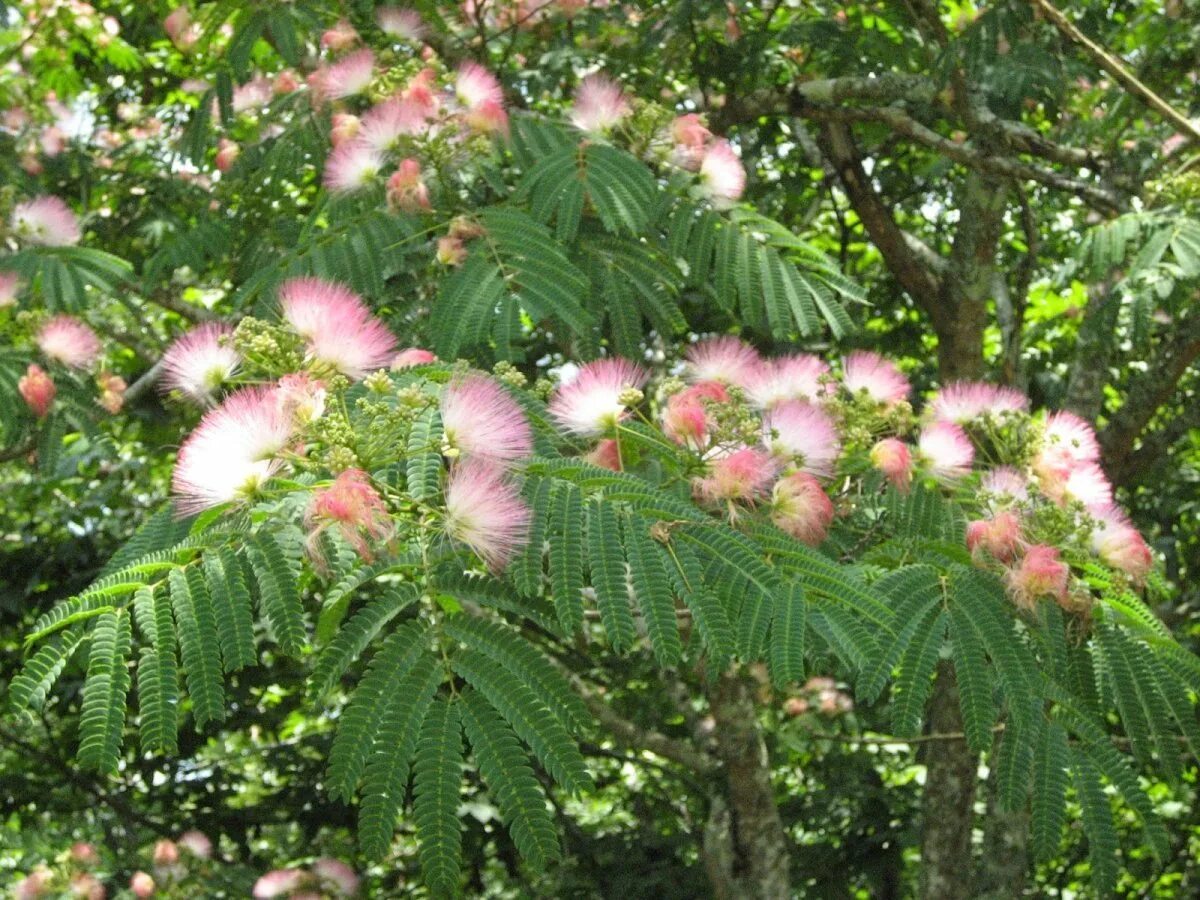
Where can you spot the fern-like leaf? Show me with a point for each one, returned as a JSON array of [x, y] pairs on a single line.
[[607, 562], [566, 556], [102, 718], [278, 592], [197, 629], [437, 775]]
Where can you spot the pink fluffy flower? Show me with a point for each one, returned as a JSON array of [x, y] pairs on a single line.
[[722, 175], [142, 885], [795, 377], [1040, 573], [46, 221], [946, 450], [352, 166], [406, 190], [340, 330], [966, 400], [354, 507], [800, 506], [348, 76], [592, 404], [690, 137], [869, 373], [474, 86], [745, 474], [179, 28], [337, 875], [84, 853], [686, 419], [606, 455], [300, 398], [599, 104], [253, 95], [387, 123], [481, 419], [166, 853], [10, 283], [67, 340], [999, 536], [398, 22], [232, 451], [339, 37], [227, 154], [1067, 436], [1088, 484], [488, 117], [484, 510], [345, 127], [200, 362], [803, 434], [894, 459], [1120, 545], [1005, 485], [112, 392], [278, 883], [412, 356], [197, 843], [725, 359]]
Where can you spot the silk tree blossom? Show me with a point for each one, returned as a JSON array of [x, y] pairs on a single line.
[[352, 166], [10, 283], [795, 377], [474, 86], [353, 506], [894, 459], [1069, 438], [599, 104], [388, 122], [227, 154], [37, 390], [804, 435], [724, 359], [301, 398], [337, 875], [347, 77], [1088, 484], [345, 127], [1116, 541], [484, 510], [800, 507], [278, 883], [606, 454], [112, 392], [166, 853], [1040, 573], [487, 118], [412, 356], [864, 372], [722, 175], [686, 419], [1004, 485], [998, 537], [46, 221], [341, 36], [481, 419], [253, 95], [197, 843], [598, 397], [963, 401], [232, 452], [690, 138], [744, 474], [200, 362], [141, 885], [398, 22], [338, 327], [69, 341], [406, 190], [946, 450]]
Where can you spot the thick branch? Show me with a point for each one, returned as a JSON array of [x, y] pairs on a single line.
[[1114, 67]]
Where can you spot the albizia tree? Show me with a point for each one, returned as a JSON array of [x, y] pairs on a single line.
[[449, 439]]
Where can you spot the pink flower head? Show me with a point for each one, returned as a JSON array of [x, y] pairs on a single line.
[[142, 885], [869, 373], [803, 434], [722, 175], [690, 137], [53, 141], [402, 23], [599, 104], [46, 221], [591, 404], [387, 123], [343, 128], [999, 536], [474, 86], [300, 397], [1120, 545], [112, 392], [10, 283], [1040, 573], [278, 882], [340, 330], [481, 419], [227, 154], [484, 510], [946, 450], [406, 189], [285, 83], [1005, 485], [892, 457], [86, 886], [231, 452], [800, 506], [37, 390], [34, 885], [166, 853], [686, 419], [744, 474], [339, 37], [412, 356], [488, 117], [196, 843], [795, 377], [1088, 484], [354, 507], [966, 400], [67, 340], [337, 875], [606, 455], [420, 92], [254, 94], [348, 76], [179, 28], [352, 166], [200, 362], [1067, 439], [84, 853], [724, 359]]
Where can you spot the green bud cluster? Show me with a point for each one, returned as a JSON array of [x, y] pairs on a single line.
[[507, 373], [268, 348]]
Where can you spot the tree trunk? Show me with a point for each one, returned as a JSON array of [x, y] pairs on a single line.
[[1004, 865], [1089, 371], [745, 845], [948, 805]]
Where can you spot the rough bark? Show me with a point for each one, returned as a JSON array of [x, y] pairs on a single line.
[[1004, 864], [745, 845], [948, 805], [1089, 372]]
